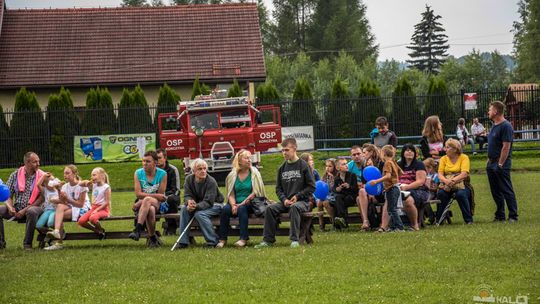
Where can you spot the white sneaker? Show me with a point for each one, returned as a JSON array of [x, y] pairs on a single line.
[[221, 244], [240, 243], [55, 234], [55, 246]]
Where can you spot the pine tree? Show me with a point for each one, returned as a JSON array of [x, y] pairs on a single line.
[[338, 119], [291, 22], [196, 91], [429, 43], [527, 41], [63, 125], [134, 3], [124, 111], [167, 101], [99, 118], [235, 90], [406, 113], [5, 139], [438, 103], [267, 94], [302, 109], [341, 25], [368, 107], [28, 126], [141, 112]]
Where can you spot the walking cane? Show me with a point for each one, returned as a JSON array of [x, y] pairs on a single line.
[[445, 211], [182, 234]]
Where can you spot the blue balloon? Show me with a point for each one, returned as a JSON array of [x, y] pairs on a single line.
[[4, 193], [370, 173], [375, 189], [321, 190]]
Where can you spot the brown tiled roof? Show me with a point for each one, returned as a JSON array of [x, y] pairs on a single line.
[[116, 46]]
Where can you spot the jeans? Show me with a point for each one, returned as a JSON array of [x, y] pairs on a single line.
[[204, 218], [342, 204], [462, 197], [502, 190], [392, 197], [271, 216], [243, 216], [46, 219], [32, 215], [470, 140], [481, 140]]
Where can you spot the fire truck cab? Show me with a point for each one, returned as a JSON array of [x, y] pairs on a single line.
[[215, 129]]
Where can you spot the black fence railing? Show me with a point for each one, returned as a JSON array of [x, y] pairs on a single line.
[[50, 133]]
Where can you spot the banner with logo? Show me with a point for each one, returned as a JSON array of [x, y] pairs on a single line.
[[112, 148], [470, 100], [303, 135]]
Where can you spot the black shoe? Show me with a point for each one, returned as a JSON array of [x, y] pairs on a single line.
[[153, 244], [181, 246], [159, 241], [2, 245], [135, 235], [102, 235]]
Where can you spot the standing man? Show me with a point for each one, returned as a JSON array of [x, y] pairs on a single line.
[[500, 162], [294, 187], [172, 189], [25, 199]]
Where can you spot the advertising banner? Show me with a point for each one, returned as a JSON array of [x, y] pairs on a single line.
[[470, 101], [112, 148], [303, 135]]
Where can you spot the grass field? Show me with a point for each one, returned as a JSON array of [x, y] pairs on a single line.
[[447, 264]]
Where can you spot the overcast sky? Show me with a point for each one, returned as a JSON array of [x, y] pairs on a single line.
[[481, 24]]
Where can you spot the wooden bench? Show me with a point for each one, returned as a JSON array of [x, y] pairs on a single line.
[[255, 227]]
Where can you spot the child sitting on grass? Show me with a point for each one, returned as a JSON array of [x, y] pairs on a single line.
[[390, 178], [101, 202]]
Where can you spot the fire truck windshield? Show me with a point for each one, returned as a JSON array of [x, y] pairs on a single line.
[[206, 121]]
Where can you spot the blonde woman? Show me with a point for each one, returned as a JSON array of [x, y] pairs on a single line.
[[453, 170], [433, 139], [243, 184]]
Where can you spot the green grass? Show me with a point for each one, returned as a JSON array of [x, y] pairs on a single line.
[[436, 265]]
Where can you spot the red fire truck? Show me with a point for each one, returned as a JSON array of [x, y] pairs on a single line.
[[215, 129]]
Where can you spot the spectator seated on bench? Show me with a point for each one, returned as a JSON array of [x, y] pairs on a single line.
[[464, 136], [242, 185], [172, 192], [412, 182], [294, 187], [479, 133], [346, 192], [202, 201], [372, 208], [453, 170]]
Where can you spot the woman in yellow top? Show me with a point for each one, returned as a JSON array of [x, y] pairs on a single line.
[[454, 168]]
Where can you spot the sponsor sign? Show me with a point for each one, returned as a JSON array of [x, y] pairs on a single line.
[[112, 148]]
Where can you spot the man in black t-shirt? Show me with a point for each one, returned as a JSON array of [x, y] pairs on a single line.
[[172, 191], [294, 187], [499, 163]]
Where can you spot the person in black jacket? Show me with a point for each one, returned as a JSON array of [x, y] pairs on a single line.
[[346, 191], [172, 191], [294, 187]]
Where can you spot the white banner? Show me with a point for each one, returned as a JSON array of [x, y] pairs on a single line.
[[303, 135]]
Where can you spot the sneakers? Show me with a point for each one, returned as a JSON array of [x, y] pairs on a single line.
[[512, 220], [339, 222], [55, 246], [221, 244], [135, 235], [295, 244], [102, 235], [55, 234], [263, 245], [240, 243]]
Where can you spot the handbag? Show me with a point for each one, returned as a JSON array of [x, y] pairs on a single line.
[[455, 187], [259, 205]]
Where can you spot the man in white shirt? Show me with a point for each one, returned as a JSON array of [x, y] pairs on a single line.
[[479, 133]]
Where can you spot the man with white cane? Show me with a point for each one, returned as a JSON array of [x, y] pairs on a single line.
[[202, 202]]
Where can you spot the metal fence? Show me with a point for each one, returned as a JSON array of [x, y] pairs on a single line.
[[337, 123]]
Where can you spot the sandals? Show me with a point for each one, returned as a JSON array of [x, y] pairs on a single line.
[[381, 230], [365, 226]]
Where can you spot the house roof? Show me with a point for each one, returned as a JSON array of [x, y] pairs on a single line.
[[128, 45]]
